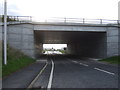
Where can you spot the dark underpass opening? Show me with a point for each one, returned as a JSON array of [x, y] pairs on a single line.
[[82, 43], [54, 48]]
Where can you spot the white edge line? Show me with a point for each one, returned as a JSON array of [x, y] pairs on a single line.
[[51, 77], [104, 71], [31, 84]]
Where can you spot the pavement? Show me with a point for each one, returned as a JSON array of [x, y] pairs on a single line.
[[67, 73], [23, 77]]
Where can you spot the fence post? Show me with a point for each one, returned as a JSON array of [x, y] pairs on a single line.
[[30, 18], [118, 22], [83, 21], [65, 20], [17, 19], [100, 21]]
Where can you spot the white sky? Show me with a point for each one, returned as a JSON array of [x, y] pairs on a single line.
[[55, 46], [93, 9]]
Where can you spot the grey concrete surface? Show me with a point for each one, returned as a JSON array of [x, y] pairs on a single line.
[[112, 41], [65, 27], [29, 38], [21, 36], [0, 56], [119, 40], [23, 77]]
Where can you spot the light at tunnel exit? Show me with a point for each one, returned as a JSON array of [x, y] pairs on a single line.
[[54, 48]]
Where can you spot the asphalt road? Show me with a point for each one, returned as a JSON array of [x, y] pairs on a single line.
[[64, 72]]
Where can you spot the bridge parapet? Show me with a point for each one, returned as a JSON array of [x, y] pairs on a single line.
[[79, 20], [56, 20]]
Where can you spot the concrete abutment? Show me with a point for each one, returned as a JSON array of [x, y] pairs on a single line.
[[104, 41]]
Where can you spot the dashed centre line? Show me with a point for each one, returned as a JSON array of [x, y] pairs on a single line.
[[95, 68], [104, 71], [80, 63], [83, 64]]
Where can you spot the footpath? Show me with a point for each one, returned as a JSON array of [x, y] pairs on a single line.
[[23, 77]]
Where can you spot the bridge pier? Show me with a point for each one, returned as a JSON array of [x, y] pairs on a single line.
[[21, 37], [92, 45], [113, 42], [38, 49]]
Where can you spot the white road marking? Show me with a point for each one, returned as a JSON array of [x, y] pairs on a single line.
[[36, 78], [51, 77], [105, 71], [83, 64], [80, 63], [75, 61]]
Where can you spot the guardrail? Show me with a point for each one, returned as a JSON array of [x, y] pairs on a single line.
[[30, 19], [80, 20]]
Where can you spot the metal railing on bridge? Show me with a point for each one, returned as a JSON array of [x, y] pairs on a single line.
[[79, 20], [30, 19], [16, 19]]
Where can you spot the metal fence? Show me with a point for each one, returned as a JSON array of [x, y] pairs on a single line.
[[30, 19], [16, 19], [80, 20]]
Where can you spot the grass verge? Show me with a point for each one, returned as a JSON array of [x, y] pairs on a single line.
[[112, 60], [16, 61]]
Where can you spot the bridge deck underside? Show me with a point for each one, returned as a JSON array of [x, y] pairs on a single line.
[[65, 37], [86, 44]]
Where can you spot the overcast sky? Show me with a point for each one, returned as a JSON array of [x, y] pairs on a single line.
[[55, 46], [93, 9]]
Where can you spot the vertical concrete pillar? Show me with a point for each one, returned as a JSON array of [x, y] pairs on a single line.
[[0, 55], [74, 49], [27, 41], [38, 49], [21, 37], [112, 41], [119, 40]]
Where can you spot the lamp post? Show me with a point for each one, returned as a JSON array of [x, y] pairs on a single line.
[[5, 32]]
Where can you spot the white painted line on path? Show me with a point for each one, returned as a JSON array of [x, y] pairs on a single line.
[[51, 77], [84, 64], [105, 71], [36, 78]]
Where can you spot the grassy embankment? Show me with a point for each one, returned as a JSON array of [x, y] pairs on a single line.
[[16, 61], [112, 60]]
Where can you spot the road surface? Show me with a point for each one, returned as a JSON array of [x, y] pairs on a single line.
[[64, 72]]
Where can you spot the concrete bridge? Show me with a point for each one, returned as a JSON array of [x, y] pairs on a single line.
[[86, 40]]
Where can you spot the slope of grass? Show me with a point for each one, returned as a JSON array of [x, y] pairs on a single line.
[[112, 60], [16, 61]]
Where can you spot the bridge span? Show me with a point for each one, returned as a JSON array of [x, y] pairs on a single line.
[[86, 40]]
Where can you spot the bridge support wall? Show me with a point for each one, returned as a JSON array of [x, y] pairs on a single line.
[[94, 47], [21, 37], [113, 42], [101, 45]]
